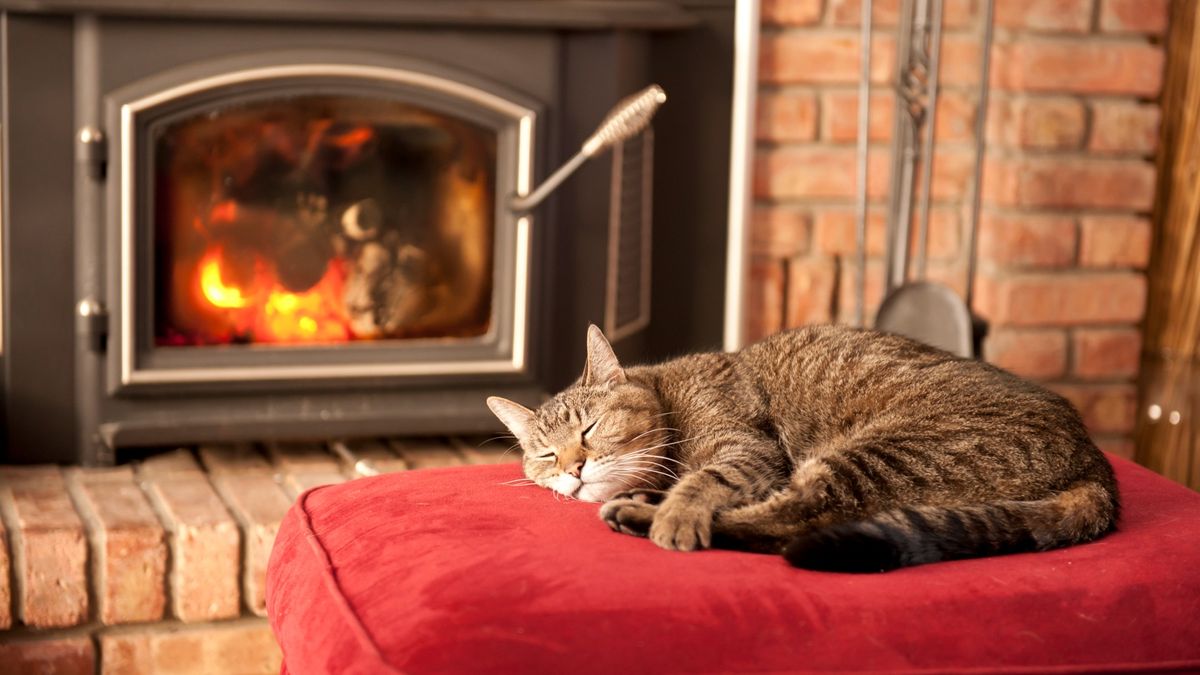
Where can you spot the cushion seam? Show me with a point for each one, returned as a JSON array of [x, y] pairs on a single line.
[[333, 589]]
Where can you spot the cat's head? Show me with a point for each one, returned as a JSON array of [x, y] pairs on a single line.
[[600, 436]]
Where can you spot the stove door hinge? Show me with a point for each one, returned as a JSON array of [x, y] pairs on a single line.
[[92, 151], [92, 318]]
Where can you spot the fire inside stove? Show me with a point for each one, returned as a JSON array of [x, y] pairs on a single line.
[[322, 219]]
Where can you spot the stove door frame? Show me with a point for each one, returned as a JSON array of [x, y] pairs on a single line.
[[135, 365]]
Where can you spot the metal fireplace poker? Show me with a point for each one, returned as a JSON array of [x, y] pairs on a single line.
[[321, 222]]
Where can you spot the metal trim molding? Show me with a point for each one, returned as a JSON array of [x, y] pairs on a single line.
[[524, 120], [741, 169]]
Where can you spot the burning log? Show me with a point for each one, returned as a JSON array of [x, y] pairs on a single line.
[[361, 220]]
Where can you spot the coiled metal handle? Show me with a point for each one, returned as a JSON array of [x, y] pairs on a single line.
[[627, 119]]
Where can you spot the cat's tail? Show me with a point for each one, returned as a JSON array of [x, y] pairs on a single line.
[[924, 534]]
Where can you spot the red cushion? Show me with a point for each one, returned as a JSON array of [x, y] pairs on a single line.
[[450, 570]]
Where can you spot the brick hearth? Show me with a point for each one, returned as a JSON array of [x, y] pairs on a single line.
[[159, 566]]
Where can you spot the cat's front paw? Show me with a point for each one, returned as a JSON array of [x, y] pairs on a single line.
[[682, 527], [629, 515], [644, 495]]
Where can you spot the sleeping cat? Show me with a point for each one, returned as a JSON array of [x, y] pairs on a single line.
[[842, 449]]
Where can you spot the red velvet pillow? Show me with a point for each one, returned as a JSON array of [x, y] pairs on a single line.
[[450, 570]]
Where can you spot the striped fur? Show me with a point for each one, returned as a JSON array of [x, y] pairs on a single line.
[[842, 449]]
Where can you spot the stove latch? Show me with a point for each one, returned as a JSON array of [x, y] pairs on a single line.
[[92, 151], [92, 323]]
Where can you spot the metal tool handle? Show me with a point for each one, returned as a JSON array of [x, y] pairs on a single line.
[[627, 119]]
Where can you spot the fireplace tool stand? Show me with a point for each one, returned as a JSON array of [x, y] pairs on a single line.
[[912, 305]]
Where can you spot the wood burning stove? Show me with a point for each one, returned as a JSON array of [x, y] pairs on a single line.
[[317, 216], [297, 223]]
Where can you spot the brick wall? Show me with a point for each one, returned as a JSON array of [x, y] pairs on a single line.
[[1069, 179], [159, 567]]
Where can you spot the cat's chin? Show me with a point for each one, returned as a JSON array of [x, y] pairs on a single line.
[[597, 492]]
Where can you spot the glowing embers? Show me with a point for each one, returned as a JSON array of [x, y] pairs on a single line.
[[322, 220], [262, 310]]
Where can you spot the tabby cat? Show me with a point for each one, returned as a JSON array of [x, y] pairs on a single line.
[[842, 449]]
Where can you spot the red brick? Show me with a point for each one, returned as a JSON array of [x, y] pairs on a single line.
[[764, 297], [955, 116], [26, 475], [810, 290], [779, 231], [129, 554], [791, 12], [1070, 183], [1106, 352], [232, 458], [1084, 67], [1121, 446], [956, 14], [816, 172], [1041, 123], [818, 57], [1036, 354], [301, 457], [244, 646], [1106, 408], [848, 290], [830, 172], [179, 460], [960, 61], [1114, 241], [835, 233], [951, 274], [368, 457], [296, 484], [259, 505], [1062, 299], [486, 451], [839, 116], [204, 543], [1124, 127], [1134, 16], [5, 589], [49, 550], [427, 453], [1069, 16], [48, 656], [786, 117], [1027, 240]]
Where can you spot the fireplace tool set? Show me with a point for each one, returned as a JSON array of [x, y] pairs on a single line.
[[913, 305]]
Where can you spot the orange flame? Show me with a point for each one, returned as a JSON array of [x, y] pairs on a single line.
[[277, 315], [215, 290], [353, 138]]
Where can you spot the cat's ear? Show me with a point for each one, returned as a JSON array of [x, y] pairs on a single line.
[[515, 416], [602, 366]]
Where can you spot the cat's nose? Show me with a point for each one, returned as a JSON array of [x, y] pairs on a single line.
[[575, 469]]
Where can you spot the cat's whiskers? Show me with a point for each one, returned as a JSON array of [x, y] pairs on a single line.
[[510, 448], [644, 453], [645, 466], [501, 437], [646, 433]]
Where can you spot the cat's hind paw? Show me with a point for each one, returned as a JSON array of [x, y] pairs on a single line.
[[629, 515]]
